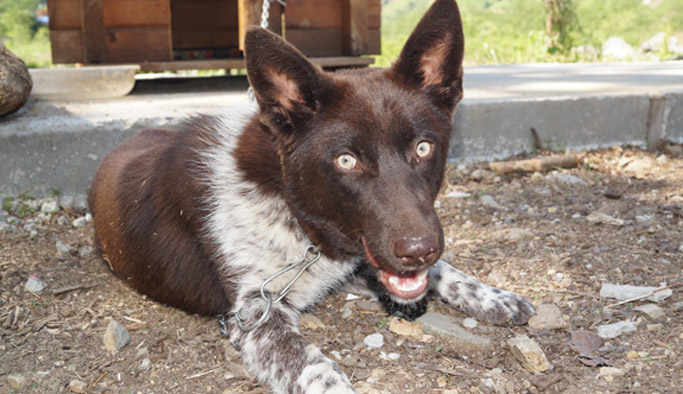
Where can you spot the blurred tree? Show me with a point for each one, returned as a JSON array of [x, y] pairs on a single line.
[[560, 21]]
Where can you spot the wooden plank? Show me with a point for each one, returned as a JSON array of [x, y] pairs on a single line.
[[205, 39], [93, 31], [136, 13], [374, 14], [206, 15], [316, 42], [248, 13], [64, 14], [67, 46], [374, 44], [135, 45], [354, 27], [320, 14], [329, 62]]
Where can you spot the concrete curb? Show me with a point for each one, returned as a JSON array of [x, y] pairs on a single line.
[[57, 145]]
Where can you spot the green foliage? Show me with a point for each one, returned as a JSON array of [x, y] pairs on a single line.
[[23, 34]]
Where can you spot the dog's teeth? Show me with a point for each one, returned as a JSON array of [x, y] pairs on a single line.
[[422, 275], [393, 280]]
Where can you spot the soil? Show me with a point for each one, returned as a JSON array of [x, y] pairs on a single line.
[[54, 337]]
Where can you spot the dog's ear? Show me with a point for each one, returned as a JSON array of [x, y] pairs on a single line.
[[287, 86], [432, 57]]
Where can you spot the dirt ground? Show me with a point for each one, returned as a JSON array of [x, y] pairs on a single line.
[[55, 337]]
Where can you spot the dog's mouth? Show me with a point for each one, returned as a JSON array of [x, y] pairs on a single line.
[[408, 285]]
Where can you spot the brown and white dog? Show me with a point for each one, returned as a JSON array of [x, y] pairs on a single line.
[[348, 162]]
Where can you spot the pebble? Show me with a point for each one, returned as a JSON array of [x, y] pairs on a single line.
[[369, 306], [598, 217], [608, 373], [336, 354], [63, 221], [80, 222], [374, 341], [86, 251], [393, 356], [346, 310], [49, 206], [548, 317], [66, 201], [145, 364], [627, 292], [116, 337], [310, 321], [16, 381], [62, 247], [651, 310], [489, 202], [34, 284], [677, 306], [470, 323], [609, 331], [80, 204], [451, 332], [568, 179], [529, 354], [518, 234], [405, 328], [458, 194], [78, 386], [655, 327]]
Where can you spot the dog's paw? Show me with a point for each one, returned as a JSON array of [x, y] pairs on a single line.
[[503, 307], [325, 377]]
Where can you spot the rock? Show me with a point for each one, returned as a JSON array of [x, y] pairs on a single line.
[[66, 201], [86, 251], [518, 234], [116, 337], [644, 218], [346, 310], [617, 49], [602, 218], [80, 222], [608, 373], [457, 194], [62, 247], [651, 310], [34, 284], [405, 328], [145, 364], [677, 306], [655, 327], [310, 321], [16, 381], [568, 179], [673, 150], [654, 43], [489, 202], [369, 306], [49, 206], [470, 323], [479, 175], [80, 204], [548, 317], [453, 335], [609, 331], [15, 82], [627, 292], [374, 341], [63, 221], [78, 386], [529, 354], [390, 357]]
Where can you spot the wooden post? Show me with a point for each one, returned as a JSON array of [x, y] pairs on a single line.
[[355, 30], [248, 13], [93, 31]]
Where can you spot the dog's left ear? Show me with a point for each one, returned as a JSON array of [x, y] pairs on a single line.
[[287, 86], [431, 59]]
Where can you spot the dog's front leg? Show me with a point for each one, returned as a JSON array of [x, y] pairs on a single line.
[[281, 357], [477, 299]]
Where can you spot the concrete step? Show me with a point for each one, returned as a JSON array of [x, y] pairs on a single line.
[[58, 144]]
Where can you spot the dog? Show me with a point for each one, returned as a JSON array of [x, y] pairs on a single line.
[[327, 184]]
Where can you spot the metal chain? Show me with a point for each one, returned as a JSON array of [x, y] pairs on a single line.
[[282, 293], [265, 14]]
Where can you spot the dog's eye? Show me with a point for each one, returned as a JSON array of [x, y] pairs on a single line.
[[347, 162], [423, 149]]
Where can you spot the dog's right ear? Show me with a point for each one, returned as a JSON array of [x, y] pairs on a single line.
[[287, 86]]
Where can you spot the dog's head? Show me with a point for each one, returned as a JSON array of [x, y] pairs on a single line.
[[363, 152]]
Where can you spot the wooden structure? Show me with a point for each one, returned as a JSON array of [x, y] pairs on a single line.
[[164, 35]]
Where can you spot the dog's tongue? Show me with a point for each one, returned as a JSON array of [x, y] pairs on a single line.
[[405, 286]]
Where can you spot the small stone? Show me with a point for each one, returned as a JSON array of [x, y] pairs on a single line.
[[346, 310], [627, 292], [116, 337], [336, 354], [644, 218], [78, 386], [49, 206], [34, 284], [145, 364], [310, 321], [632, 354], [609, 331], [651, 310], [369, 306], [66, 201], [80, 204], [598, 217], [391, 356], [405, 328], [86, 251], [655, 327], [529, 354], [17, 381], [568, 179], [548, 317], [611, 371], [80, 222], [479, 175], [62, 247], [470, 323], [518, 234], [374, 341], [677, 306], [489, 202], [458, 194], [63, 221], [451, 332]]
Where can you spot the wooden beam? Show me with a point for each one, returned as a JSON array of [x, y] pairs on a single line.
[[354, 27], [207, 64], [93, 31], [248, 13]]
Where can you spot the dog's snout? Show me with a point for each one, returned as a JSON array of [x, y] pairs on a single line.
[[416, 251]]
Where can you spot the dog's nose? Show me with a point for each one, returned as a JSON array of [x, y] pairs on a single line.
[[416, 251]]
